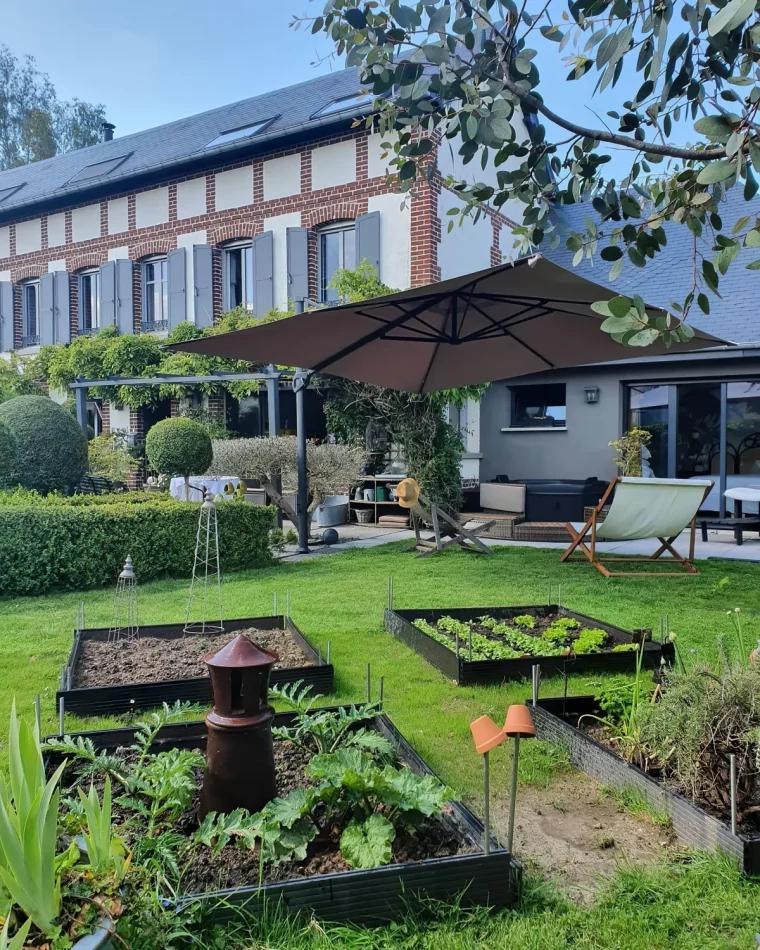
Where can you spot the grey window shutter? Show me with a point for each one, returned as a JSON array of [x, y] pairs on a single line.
[[108, 294], [46, 327], [298, 264], [368, 239], [263, 273], [176, 278], [203, 284], [125, 321], [6, 316], [62, 307]]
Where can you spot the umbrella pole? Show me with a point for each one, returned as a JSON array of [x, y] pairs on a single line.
[[300, 382]]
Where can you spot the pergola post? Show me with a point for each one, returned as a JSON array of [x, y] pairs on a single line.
[[81, 400], [273, 428], [300, 382]]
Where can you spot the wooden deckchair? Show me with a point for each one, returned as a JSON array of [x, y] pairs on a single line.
[[446, 531], [642, 508]]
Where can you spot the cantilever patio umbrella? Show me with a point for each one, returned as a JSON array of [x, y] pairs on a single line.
[[499, 323]]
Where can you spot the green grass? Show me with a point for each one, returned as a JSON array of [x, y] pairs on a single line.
[[340, 599], [634, 802]]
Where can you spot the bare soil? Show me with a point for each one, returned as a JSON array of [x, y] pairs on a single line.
[[576, 836], [156, 659]]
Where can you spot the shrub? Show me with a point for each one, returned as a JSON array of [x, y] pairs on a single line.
[[51, 448], [8, 454], [179, 447], [79, 542], [108, 455]]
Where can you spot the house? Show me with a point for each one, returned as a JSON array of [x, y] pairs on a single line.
[[702, 408], [255, 204]]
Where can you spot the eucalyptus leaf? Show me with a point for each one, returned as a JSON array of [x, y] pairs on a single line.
[[716, 171]]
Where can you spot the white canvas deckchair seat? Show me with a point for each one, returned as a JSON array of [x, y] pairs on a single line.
[[651, 508]]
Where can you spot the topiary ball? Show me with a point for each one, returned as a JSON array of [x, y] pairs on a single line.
[[51, 449], [8, 454], [330, 536], [179, 447]]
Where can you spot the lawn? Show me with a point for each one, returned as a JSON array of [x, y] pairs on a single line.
[[340, 599]]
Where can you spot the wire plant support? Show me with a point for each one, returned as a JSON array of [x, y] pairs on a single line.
[[125, 624], [206, 575]]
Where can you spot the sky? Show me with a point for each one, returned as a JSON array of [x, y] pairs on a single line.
[[153, 62]]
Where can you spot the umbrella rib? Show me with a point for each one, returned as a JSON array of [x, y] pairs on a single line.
[[497, 324], [367, 338]]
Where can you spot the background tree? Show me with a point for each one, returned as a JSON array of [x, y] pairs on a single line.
[[34, 122], [465, 71], [179, 447]]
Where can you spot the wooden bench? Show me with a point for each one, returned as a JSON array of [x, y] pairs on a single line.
[[99, 485]]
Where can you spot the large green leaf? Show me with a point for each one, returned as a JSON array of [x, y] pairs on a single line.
[[715, 127], [752, 238], [368, 844], [620, 306], [730, 16], [715, 172]]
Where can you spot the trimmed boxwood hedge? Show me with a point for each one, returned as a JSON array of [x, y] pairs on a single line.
[[72, 544]]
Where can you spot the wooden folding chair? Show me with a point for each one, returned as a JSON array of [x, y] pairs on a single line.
[[446, 531], [642, 508]]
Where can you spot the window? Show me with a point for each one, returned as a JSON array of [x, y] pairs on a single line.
[[238, 276], [337, 249], [88, 283], [345, 104], [155, 299], [244, 132], [99, 169], [539, 406], [30, 309], [648, 409]]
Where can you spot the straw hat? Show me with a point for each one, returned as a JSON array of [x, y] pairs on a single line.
[[408, 492]]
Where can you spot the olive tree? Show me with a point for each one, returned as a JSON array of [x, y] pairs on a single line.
[[331, 468], [687, 75]]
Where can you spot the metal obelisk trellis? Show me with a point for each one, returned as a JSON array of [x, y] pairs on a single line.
[[206, 574], [124, 625]]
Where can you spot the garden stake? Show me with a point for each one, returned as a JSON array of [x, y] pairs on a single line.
[[732, 761], [390, 592], [319, 656], [470, 645], [536, 671], [382, 691], [518, 725], [559, 596], [549, 597], [274, 608], [456, 637], [61, 730], [369, 685], [328, 653], [38, 714], [287, 604], [486, 735]]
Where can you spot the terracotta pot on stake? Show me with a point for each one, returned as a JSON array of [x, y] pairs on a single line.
[[518, 725], [486, 736]]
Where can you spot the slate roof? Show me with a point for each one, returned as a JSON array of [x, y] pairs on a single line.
[[179, 143], [735, 316]]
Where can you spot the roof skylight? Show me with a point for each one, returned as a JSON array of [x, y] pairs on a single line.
[[243, 132], [345, 104], [6, 193], [99, 169]]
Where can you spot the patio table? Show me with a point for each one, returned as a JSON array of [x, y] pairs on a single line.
[[198, 484], [739, 524]]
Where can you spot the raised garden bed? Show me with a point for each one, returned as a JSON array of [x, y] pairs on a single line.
[[164, 665], [556, 721], [615, 649], [442, 860]]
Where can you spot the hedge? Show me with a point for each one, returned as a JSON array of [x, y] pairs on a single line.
[[52, 544]]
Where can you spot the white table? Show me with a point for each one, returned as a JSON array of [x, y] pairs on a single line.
[[214, 485], [742, 494]]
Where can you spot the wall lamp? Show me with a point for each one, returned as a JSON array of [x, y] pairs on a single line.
[[591, 393]]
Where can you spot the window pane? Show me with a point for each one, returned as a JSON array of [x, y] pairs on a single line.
[[698, 442], [248, 256], [235, 278], [95, 300], [85, 303], [349, 249], [330, 261], [539, 406], [648, 409], [743, 430], [150, 301], [163, 302], [30, 309]]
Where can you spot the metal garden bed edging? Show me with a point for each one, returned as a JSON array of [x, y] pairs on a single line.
[[367, 896], [692, 824], [463, 671], [116, 699]]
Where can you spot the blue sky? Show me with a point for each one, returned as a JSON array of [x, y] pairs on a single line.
[[152, 62]]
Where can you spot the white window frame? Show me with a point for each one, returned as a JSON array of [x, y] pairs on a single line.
[[337, 227], [160, 319], [88, 272], [27, 338], [247, 292]]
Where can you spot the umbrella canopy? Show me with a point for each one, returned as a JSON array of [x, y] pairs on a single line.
[[499, 323]]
